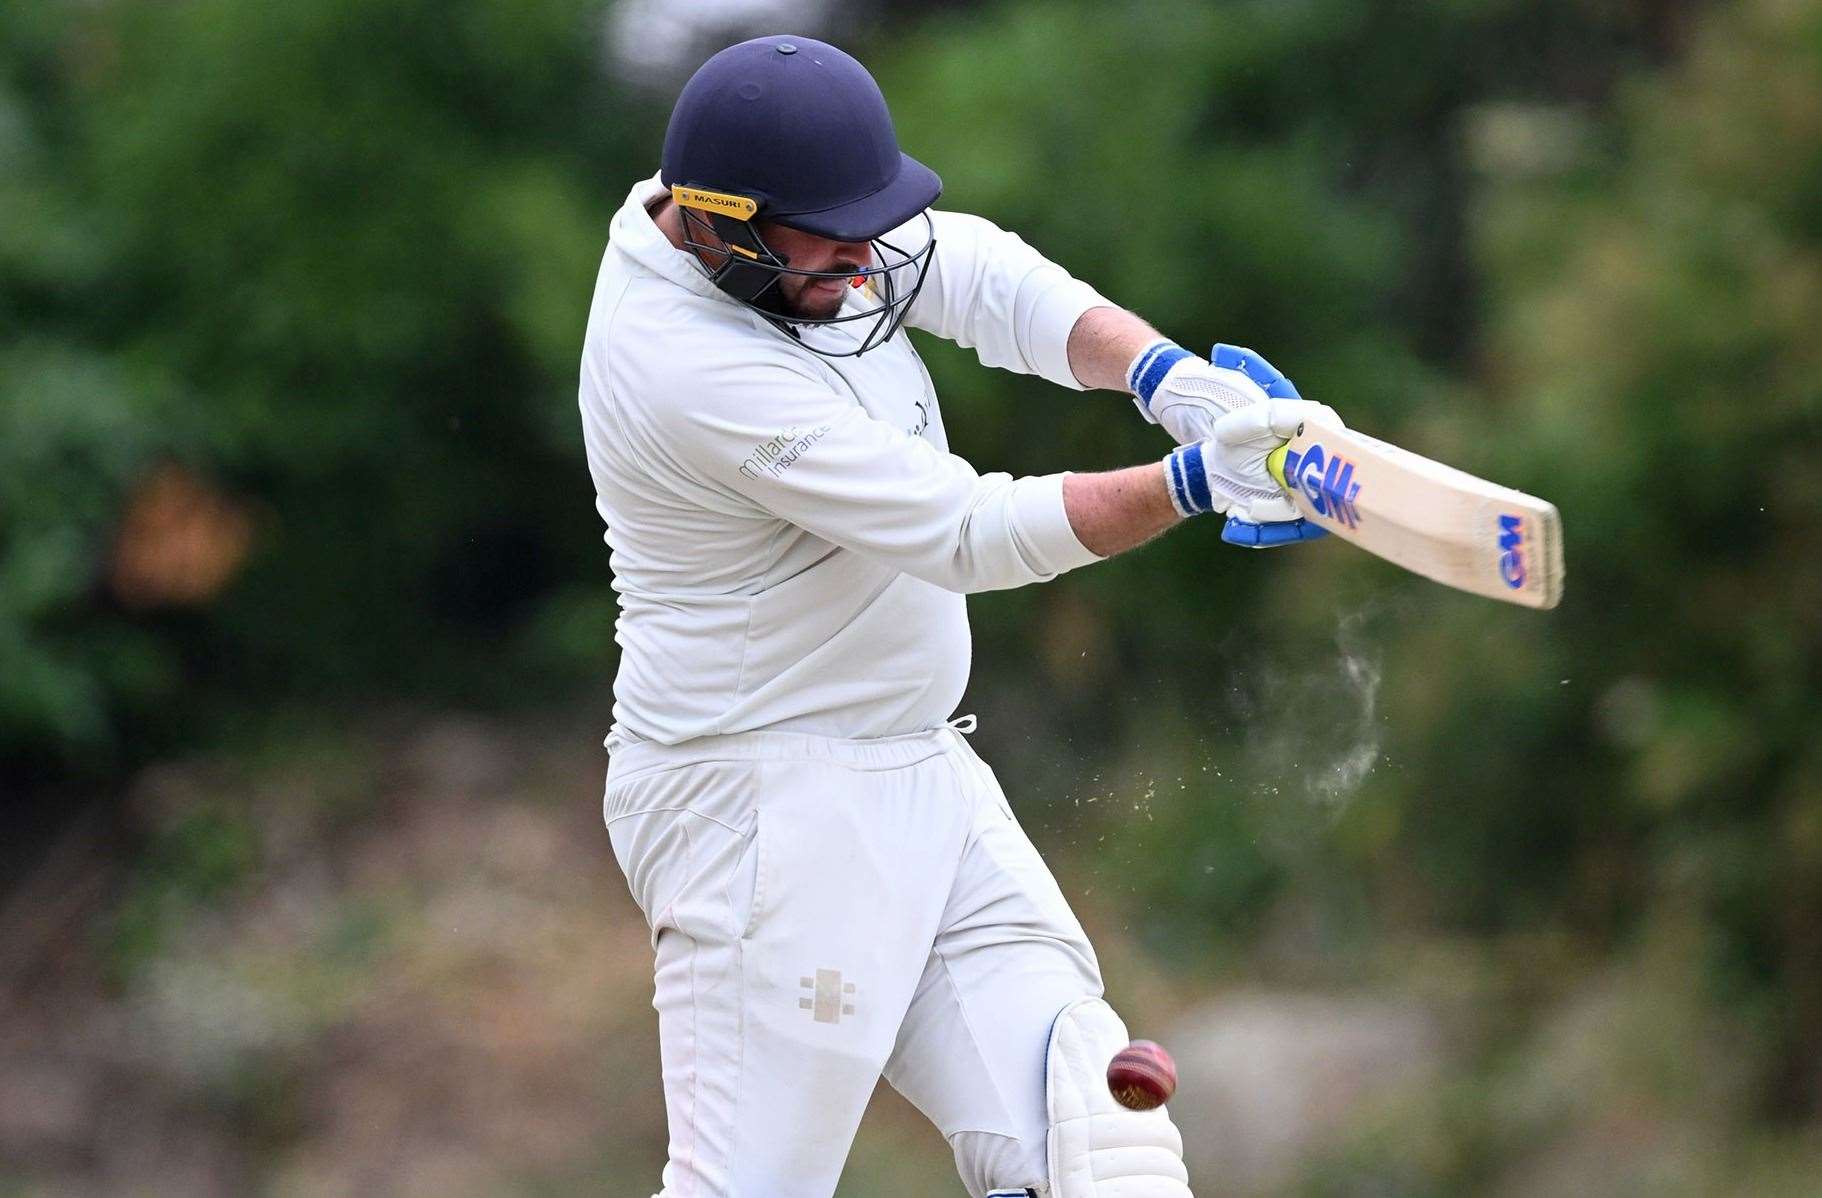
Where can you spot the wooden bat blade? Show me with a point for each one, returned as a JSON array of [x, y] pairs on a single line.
[[1431, 519]]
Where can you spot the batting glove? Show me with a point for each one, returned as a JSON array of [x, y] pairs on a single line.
[[1173, 388], [1227, 472], [1190, 398]]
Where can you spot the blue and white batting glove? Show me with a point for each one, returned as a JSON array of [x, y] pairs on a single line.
[[1185, 395], [1227, 472], [1190, 398]]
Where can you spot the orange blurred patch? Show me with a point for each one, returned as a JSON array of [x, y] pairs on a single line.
[[180, 542]]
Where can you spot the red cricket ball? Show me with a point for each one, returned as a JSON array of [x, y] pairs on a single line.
[[1142, 1076]]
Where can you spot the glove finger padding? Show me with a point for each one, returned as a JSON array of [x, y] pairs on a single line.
[[1252, 535], [1255, 367]]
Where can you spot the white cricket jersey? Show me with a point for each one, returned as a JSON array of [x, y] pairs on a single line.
[[791, 537]]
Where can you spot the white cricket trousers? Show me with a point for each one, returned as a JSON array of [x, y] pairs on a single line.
[[823, 911]]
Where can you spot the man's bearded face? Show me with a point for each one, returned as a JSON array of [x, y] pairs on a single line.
[[815, 299]]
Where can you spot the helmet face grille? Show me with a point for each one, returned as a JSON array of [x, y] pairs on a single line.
[[735, 257]]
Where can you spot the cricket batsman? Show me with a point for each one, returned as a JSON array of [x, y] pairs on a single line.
[[836, 885]]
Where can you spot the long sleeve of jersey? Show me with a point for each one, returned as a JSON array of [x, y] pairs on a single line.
[[777, 440], [991, 292]]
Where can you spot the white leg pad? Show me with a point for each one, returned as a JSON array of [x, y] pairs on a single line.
[[1098, 1148]]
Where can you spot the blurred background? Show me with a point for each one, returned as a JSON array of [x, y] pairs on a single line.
[[306, 624]]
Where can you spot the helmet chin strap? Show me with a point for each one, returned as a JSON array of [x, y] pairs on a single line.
[[750, 273]]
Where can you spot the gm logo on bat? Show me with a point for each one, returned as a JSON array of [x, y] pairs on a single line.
[[1512, 550], [1328, 481]]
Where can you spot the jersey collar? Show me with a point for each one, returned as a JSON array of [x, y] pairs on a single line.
[[634, 234]]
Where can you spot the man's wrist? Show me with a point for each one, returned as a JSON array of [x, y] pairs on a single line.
[[1102, 344]]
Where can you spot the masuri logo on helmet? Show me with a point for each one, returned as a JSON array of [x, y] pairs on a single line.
[[739, 207], [793, 131]]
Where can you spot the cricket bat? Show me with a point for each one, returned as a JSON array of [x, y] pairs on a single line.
[[1432, 519]]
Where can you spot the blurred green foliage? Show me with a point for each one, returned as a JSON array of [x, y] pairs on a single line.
[[334, 257]]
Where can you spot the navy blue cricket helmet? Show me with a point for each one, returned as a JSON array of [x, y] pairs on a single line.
[[794, 131]]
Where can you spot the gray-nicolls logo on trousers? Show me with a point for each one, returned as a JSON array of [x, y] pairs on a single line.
[[827, 1001]]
